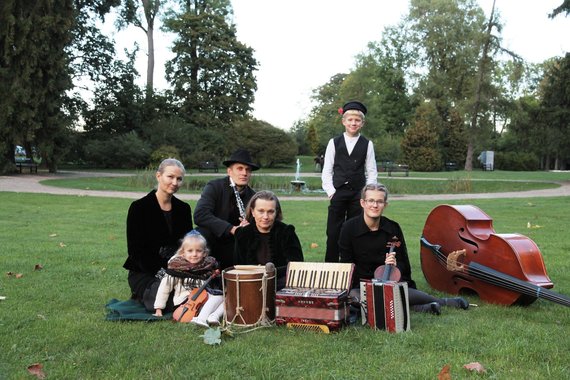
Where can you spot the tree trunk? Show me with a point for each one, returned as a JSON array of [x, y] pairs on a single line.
[[478, 91], [150, 15], [469, 156]]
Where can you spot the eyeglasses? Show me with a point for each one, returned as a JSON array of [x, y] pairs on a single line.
[[374, 202]]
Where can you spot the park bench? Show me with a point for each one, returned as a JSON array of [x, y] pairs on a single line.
[[208, 165], [27, 163], [449, 166], [398, 168]]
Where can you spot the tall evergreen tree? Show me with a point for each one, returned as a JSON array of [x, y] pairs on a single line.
[[35, 75], [212, 72]]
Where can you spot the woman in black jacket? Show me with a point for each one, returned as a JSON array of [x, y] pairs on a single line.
[[155, 225], [266, 238]]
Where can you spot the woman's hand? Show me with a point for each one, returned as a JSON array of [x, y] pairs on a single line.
[[390, 259]]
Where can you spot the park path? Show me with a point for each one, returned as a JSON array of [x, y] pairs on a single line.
[[30, 183]]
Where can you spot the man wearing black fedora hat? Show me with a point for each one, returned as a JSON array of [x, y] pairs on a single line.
[[349, 165], [221, 207]]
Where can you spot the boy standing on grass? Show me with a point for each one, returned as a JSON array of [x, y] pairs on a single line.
[[349, 165]]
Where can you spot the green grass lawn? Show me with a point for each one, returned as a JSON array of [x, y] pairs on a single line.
[[55, 315]]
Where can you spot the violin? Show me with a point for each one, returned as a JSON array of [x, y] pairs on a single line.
[[389, 272], [460, 252], [196, 299]]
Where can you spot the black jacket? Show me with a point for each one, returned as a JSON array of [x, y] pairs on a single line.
[[147, 232], [283, 242], [367, 249], [217, 207]]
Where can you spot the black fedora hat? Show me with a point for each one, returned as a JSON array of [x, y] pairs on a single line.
[[243, 157]]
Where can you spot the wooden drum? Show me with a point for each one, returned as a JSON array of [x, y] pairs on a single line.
[[249, 295]]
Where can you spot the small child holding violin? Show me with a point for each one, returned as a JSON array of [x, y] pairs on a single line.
[[187, 270]]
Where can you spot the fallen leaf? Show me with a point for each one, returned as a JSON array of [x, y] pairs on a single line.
[[61, 244], [38, 267], [37, 370], [52, 235], [475, 366], [19, 275], [2, 298], [9, 273], [314, 245], [212, 336], [445, 373]]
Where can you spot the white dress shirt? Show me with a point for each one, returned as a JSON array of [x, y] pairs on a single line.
[[370, 169]]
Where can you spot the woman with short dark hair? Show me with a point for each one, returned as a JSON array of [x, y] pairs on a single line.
[[266, 238]]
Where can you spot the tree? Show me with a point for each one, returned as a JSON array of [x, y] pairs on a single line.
[[449, 38], [381, 70], [212, 72], [130, 13], [34, 76], [379, 82], [269, 145], [555, 111], [564, 7], [420, 144], [118, 106]]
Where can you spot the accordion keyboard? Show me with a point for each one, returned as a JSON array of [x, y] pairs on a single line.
[[319, 275]]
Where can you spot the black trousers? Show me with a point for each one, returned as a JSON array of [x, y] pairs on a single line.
[[344, 204], [144, 287]]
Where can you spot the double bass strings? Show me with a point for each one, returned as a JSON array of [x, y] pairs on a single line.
[[496, 278]]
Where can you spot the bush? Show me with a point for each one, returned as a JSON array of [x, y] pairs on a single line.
[[126, 151], [161, 153], [517, 161]]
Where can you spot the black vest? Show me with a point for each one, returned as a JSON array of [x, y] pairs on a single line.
[[350, 169]]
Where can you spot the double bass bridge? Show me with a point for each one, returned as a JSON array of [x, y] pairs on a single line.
[[453, 265]]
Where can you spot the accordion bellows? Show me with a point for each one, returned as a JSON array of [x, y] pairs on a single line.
[[385, 305], [315, 296]]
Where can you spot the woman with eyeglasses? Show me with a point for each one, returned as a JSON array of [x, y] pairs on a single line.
[[365, 240]]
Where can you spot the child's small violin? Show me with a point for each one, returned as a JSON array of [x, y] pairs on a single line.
[[196, 299]]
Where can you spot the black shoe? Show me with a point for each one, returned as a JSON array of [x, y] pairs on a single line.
[[458, 302], [353, 315], [432, 308]]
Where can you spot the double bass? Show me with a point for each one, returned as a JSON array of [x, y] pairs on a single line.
[[461, 252]]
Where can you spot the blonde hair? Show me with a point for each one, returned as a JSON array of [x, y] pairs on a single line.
[[357, 112], [170, 162], [190, 236]]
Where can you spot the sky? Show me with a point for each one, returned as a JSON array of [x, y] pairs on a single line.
[[301, 44]]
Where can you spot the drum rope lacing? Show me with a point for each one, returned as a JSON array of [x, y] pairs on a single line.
[[263, 320]]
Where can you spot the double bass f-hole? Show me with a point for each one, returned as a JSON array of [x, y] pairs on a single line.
[[468, 241]]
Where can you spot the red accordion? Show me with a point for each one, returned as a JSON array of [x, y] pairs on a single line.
[[315, 296], [385, 305]]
